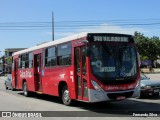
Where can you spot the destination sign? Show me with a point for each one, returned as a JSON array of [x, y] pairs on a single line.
[[110, 39]]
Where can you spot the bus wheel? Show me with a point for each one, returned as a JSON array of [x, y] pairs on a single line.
[[25, 89], [66, 96]]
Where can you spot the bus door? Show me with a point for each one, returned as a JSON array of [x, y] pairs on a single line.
[[81, 76], [16, 72], [37, 72]]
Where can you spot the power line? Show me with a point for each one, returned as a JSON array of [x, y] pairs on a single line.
[[86, 21], [81, 25], [62, 25]]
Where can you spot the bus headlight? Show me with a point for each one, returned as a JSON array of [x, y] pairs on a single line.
[[96, 86]]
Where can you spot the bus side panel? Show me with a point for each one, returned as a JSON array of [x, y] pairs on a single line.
[[30, 79], [71, 83], [19, 79], [51, 80], [28, 76]]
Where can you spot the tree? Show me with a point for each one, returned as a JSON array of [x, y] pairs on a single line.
[[148, 48], [142, 43], [9, 60]]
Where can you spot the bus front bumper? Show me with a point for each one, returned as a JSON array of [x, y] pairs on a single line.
[[100, 96]]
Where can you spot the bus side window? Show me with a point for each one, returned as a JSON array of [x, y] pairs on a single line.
[[19, 62], [64, 54], [30, 60], [50, 57]]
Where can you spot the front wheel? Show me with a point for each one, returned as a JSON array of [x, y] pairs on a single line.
[[25, 89], [66, 96]]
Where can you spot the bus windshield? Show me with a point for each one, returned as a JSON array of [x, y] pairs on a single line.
[[113, 61]]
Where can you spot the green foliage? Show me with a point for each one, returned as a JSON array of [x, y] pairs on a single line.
[[9, 60], [148, 48]]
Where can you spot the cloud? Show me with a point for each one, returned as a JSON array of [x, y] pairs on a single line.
[[64, 33], [102, 28], [60, 34], [107, 28]]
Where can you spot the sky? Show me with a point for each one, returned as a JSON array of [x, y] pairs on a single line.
[[26, 23]]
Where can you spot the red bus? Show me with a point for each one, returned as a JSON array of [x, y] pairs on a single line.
[[89, 67]]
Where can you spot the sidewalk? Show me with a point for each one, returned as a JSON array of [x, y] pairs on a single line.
[[147, 70], [3, 77], [154, 76]]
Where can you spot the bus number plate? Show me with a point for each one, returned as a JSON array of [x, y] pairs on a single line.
[[120, 98]]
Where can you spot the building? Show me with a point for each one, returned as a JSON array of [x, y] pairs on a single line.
[[6, 63]]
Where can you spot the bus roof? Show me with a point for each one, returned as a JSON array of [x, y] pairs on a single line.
[[55, 42], [51, 43]]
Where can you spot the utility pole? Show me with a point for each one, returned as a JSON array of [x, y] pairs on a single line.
[[52, 26]]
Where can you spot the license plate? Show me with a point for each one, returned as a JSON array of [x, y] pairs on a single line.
[[156, 90], [120, 98]]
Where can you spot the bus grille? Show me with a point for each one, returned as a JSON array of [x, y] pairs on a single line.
[[115, 95]]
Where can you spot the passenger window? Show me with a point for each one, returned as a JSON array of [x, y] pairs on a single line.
[[64, 54], [50, 57]]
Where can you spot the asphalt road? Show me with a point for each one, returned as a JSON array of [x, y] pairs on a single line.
[[154, 76], [52, 106]]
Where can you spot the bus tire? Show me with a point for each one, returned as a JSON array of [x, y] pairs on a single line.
[[66, 96], [25, 89]]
